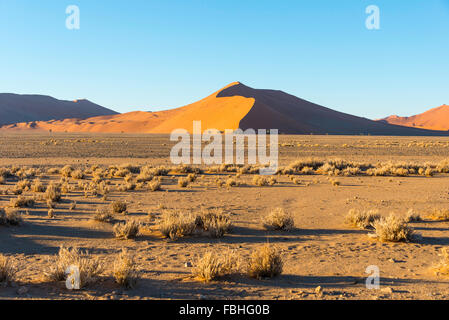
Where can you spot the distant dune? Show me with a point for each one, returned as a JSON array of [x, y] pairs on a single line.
[[235, 106], [433, 119], [27, 108]]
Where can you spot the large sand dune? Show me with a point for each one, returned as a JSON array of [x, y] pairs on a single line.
[[26, 108], [433, 119], [235, 106]]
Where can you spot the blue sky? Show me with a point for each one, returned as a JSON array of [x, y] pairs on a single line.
[[154, 55]]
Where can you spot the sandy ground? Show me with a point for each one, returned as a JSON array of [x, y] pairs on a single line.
[[322, 251]]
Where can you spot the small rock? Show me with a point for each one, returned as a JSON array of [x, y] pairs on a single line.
[[188, 264], [318, 290], [392, 260]]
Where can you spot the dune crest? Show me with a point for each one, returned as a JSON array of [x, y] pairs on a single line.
[[433, 119], [232, 107]]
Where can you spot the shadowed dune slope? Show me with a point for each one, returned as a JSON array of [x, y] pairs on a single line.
[[235, 106], [26, 108], [433, 119]]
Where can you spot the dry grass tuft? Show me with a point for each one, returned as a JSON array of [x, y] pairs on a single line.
[[362, 219], [412, 216], [7, 269], [21, 202], [393, 229], [155, 185], [119, 206], [183, 182], [128, 230], [125, 273], [213, 265], [175, 224], [103, 215], [265, 262], [278, 219], [89, 267], [9, 216], [215, 222], [53, 192], [439, 215]]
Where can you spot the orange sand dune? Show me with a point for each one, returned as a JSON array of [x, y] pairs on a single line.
[[235, 106], [217, 113], [433, 119]]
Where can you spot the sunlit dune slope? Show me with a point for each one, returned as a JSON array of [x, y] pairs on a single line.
[[433, 119]]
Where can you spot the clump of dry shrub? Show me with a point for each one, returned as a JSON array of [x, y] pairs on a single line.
[[89, 267], [7, 269], [155, 185], [393, 228], [362, 219], [103, 215], [175, 224], [124, 272], [118, 206], [127, 230], [53, 192], [262, 181], [9, 216], [412, 216], [213, 265], [278, 219], [265, 262], [183, 182], [21, 202], [215, 222], [439, 214]]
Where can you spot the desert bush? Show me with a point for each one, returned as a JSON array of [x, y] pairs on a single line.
[[192, 177], [89, 267], [215, 222], [362, 219], [127, 230], [393, 229], [265, 262], [51, 213], [66, 171], [262, 181], [183, 182], [7, 269], [213, 265], [412, 216], [9, 216], [124, 272], [103, 215], [118, 206], [37, 186], [175, 224], [439, 214], [24, 185], [77, 174], [231, 182], [155, 185], [53, 192], [278, 219], [21, 202]]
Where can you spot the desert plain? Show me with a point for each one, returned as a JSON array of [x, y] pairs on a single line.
[[323, 256]]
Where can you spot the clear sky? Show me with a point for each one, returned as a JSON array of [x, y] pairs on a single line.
[[153, 55]]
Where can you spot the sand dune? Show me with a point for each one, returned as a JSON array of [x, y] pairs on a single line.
[[235, 106], [433, 119], [26, 108]]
